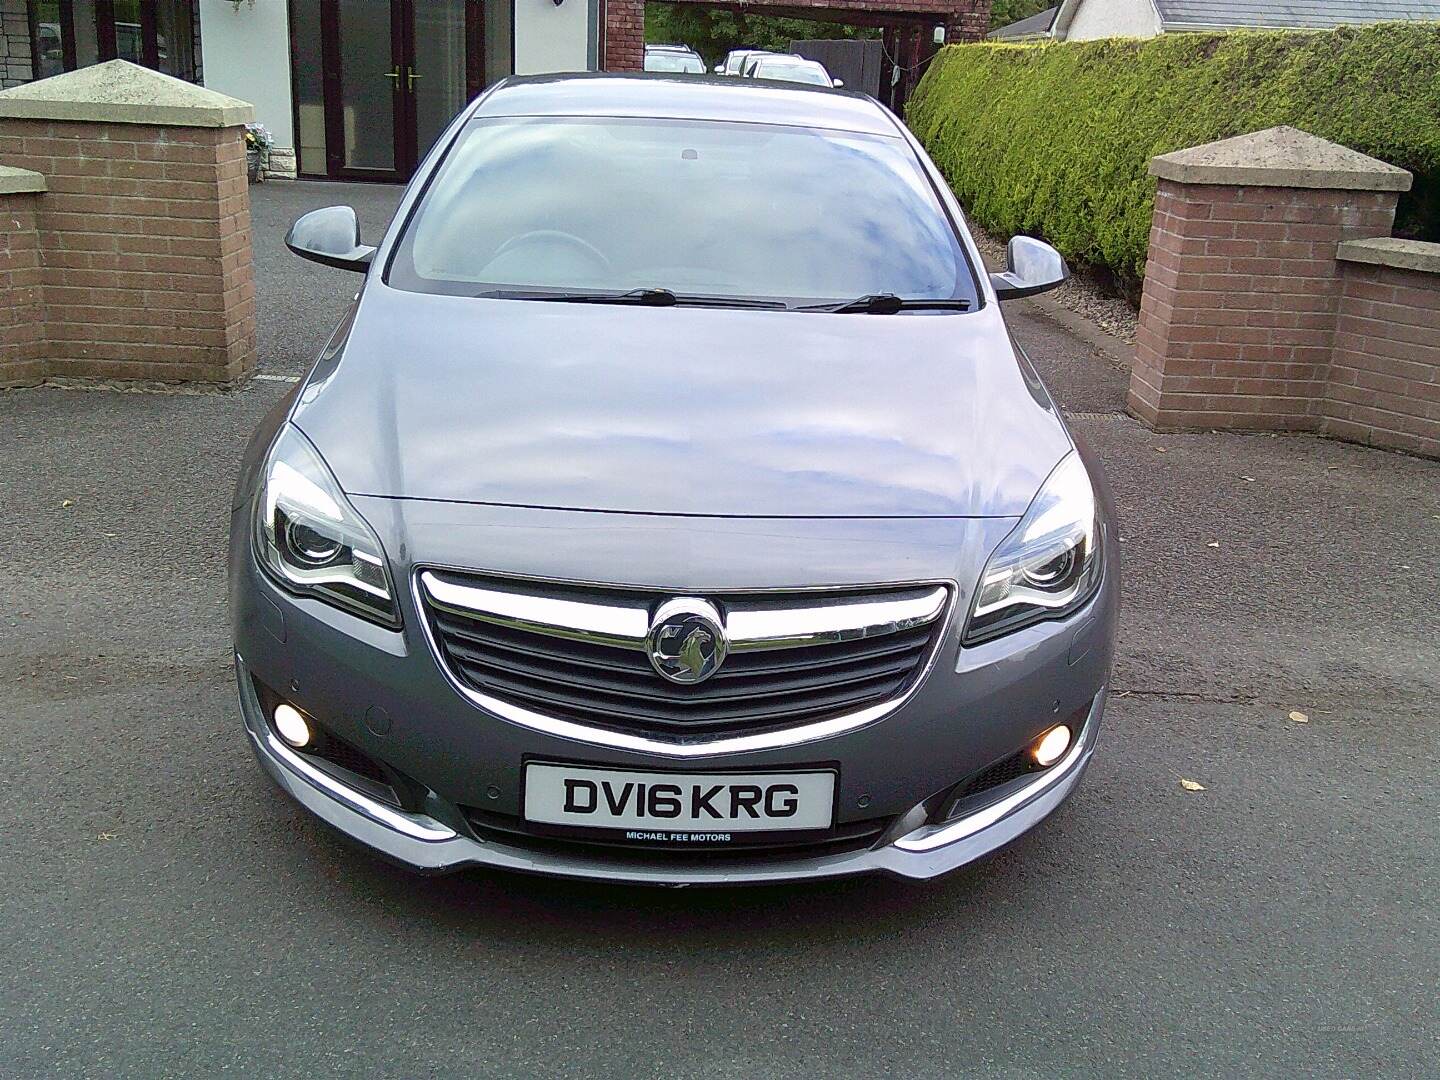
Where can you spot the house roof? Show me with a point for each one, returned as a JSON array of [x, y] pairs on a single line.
[[1307, 14], [1037, 25]]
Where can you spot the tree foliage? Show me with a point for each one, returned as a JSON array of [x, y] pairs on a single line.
[[1005, 12], [713, 33], [1055, 139]]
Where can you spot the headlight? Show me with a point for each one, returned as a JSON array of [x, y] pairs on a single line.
[[312, 540], [1049, 565]]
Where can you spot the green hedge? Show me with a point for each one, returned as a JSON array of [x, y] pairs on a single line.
[[1053, 140]]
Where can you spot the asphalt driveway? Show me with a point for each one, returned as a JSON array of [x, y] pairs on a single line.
[[165, 913]]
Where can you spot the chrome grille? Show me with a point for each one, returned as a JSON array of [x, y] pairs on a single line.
[[578, 653]]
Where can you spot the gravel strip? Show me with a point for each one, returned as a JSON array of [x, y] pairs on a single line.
[[1081, 294]]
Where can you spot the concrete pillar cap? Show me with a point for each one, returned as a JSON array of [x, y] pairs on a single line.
[[1280, 157], [119, 92], [19, 181]]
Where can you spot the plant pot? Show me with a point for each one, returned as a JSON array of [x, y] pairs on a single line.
[[255, 162]]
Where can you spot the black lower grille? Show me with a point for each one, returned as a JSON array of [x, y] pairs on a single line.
[[514, 832], [616, 686]]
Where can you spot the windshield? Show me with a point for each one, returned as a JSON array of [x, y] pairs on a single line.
[[681, 62], [803, 73], [703, 208]]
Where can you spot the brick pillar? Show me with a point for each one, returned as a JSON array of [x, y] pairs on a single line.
[[144, 230], [1242, 287], [969, 22], [624, 35], [22, 315]]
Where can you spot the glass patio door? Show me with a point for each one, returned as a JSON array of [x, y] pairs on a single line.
[[376, 81], [366, 114]]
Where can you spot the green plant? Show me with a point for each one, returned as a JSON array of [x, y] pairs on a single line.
[[1054, 140]]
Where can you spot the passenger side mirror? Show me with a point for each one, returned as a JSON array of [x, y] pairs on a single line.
[[331, 237], [837, 83], [1032, 267]]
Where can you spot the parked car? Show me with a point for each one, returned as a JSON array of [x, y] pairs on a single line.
[[788, 68], [521, 579], [735, 60], [677, 59]]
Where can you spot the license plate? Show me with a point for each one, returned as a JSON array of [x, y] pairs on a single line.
[[673, 805]]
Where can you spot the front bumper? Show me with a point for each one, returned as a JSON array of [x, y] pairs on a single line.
[[428, 845], [384, 693]]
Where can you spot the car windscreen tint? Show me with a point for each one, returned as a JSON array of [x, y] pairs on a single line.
[[801, 73], [734, 210], [674, 62]]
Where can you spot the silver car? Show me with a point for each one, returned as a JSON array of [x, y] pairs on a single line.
[[673, 506]]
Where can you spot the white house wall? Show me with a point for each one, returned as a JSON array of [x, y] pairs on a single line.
[[1111, 18], [245, 49], [551, 37]]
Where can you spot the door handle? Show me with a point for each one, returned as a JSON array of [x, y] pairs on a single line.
[[394, 76], [410, 78]]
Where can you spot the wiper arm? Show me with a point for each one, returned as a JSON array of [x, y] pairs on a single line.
[[655, 297], [888, 304]]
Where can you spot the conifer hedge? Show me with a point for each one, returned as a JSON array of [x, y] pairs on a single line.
[[1053, 140]]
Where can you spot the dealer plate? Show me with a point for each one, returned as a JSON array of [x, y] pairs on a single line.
[[576, 795]]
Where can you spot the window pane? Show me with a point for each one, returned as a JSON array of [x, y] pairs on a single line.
[[308, 63], [439, 67], [369, 81], [87, 42], [175, 38], [47, 45], [499, 56], [129, 42], [710, 208]]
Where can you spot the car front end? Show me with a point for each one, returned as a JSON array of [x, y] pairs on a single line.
[[521, 579]]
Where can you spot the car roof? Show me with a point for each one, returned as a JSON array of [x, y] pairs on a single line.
[[685, 97]]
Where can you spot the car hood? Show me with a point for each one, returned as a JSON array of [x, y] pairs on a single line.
[[692, 411]]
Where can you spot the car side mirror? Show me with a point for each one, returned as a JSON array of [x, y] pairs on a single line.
[[331, 237], [1032, 267], [837, 83]]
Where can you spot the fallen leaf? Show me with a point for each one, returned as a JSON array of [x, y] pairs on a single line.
[[106, 836], [1159, 449], [1248, 479], [1299, 717], [1213, 543], [67, 502], [1191, 785]]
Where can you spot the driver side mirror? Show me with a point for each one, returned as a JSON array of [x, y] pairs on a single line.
[[1032, 267], [331, 237], [837, 83]]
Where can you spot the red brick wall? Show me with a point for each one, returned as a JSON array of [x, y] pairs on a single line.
[[22, 320], [145, 239], [624, 35], [1384, 385], [1241, 294]]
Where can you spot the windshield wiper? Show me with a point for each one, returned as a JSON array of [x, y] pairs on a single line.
[[888, 304], [639, 297]]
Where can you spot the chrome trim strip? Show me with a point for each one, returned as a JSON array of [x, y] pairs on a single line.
[[627, 626], [733, 744], [414, 825], [624, 627], [930, 837], [756, 629]]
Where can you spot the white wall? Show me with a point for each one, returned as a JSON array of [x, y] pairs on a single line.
[[246, 54], [550, 38], [1112, 18]]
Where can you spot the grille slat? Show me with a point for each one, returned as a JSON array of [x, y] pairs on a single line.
[[609, 685]]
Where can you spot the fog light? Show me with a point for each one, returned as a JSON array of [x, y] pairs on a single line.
[[1047, 749], [292, 726]]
